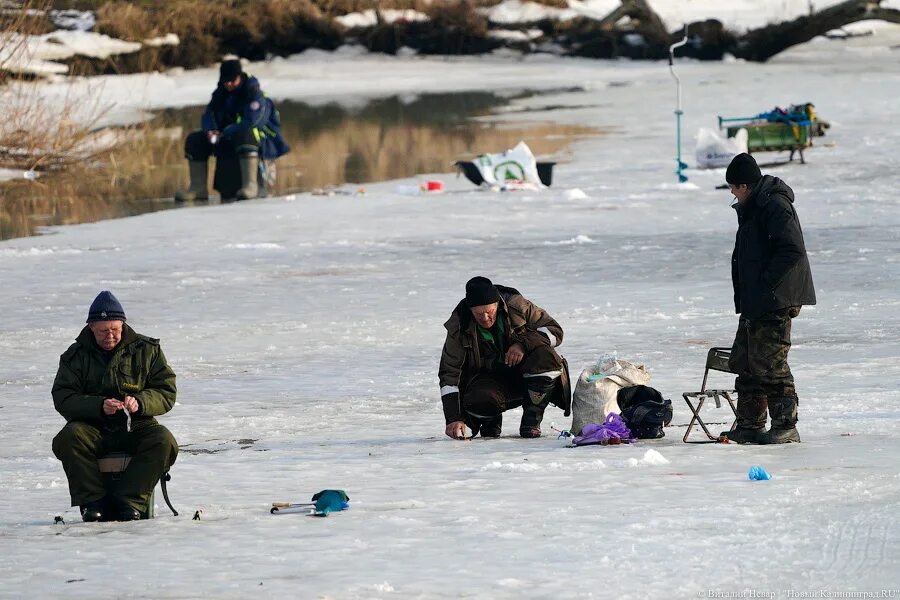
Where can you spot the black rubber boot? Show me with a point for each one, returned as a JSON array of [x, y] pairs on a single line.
[[751, 421], [122, 511], [93, 511], [784, 421], [492, 428], [532, 415], [538, 392], [745, 435]]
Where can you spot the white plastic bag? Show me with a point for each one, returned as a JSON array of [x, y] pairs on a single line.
[[714, 151], [597, 389], [511, 170]]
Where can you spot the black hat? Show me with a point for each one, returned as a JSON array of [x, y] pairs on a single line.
[[480, 291], [229, 70], [743, 169], [106, 307]]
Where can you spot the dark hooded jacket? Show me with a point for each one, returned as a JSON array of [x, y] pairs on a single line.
[[247, 107], [88, 375], [526, 323], [769, 266]]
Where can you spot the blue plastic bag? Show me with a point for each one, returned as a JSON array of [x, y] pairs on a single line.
[[328, 501], [757, 473]]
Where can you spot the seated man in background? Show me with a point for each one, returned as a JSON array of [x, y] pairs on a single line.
[[499, 355], [110, 384], [239, 121]]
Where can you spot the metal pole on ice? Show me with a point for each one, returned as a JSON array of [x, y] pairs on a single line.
[[678, 112]]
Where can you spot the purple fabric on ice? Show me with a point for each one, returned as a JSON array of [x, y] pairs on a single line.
[[613, 427]]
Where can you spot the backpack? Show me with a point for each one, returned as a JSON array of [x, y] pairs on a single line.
[[644, 411]]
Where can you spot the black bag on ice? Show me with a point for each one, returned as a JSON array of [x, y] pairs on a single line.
[[644, 411]]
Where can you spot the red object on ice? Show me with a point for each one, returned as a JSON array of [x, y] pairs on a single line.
[[434, 186]]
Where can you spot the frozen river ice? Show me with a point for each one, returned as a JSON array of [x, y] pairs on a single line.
[[306, 332]]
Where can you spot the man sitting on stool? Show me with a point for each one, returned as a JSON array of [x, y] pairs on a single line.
[[110, 384], [239, 121], [499, 355]]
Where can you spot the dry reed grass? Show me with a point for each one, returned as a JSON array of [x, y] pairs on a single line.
[[17, 21], [37, 133], [42, 135], [209, 29]]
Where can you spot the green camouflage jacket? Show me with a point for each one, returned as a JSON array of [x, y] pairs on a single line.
[[88, 375]]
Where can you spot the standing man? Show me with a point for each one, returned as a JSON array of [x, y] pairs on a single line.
[[772, 280], [239, 121], [499, 355], [110, 384]]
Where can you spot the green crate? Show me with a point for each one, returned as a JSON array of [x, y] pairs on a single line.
[[774, 136]]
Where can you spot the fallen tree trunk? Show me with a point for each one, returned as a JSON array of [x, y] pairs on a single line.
[[760, 45], [709, 39]]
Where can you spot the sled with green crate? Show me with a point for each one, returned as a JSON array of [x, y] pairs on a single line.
[[779, 130]]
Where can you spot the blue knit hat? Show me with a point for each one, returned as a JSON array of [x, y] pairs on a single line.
[[106, 307]]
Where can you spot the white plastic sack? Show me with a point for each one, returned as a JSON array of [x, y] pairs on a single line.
[[597, 390], [714, 151], [513, 169]]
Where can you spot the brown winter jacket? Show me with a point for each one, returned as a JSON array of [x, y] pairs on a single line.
[[527, 324]]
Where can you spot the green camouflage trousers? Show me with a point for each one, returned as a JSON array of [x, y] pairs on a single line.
[[759, 356]]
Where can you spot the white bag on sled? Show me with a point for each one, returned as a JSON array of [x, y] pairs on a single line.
[[714, 151], [597, 390]]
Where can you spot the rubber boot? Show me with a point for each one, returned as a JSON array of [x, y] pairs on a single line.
[[93, 511], [538, 390], [751, 421], [199, 180], [533, 414], [784, 421], [249, 166], [492, 428], [122, 511]]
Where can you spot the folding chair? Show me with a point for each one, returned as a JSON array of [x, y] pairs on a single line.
[[114, 464], [716, 360]]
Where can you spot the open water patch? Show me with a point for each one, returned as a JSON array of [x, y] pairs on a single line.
[[333, 144]]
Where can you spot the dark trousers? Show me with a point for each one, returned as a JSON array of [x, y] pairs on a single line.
[[493, 392], [198, 148], [80, 444], [759, 357]]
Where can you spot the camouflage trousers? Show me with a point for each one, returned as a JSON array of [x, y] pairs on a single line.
[[759, 355]]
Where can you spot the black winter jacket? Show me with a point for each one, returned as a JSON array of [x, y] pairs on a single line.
[[769, 266]]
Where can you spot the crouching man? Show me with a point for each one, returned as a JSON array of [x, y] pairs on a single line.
[[110, 384], [499, 355]]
